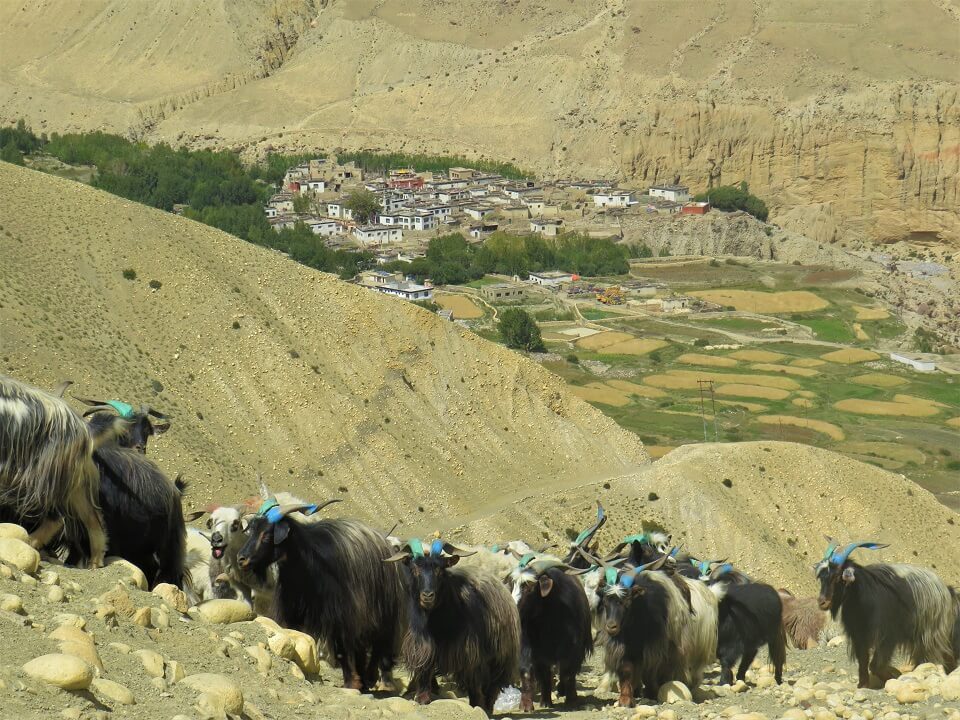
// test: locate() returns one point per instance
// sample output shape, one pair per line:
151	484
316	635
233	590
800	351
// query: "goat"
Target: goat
750	615
649	632
47	473
554	629
583	540
332	584
887	607
803	620
461	623
139	428
143	514
197	566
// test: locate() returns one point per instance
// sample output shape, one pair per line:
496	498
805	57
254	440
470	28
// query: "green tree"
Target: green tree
364	204
518	330
730	197
10	154
302	203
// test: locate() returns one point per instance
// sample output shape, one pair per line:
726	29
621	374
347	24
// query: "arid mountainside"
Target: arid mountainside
266	365
843	116
331	390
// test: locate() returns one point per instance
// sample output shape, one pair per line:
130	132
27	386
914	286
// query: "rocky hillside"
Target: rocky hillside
268	366
843	116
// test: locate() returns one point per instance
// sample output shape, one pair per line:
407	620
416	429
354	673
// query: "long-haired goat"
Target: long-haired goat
141	424
887	608
332	584
47	473
461	622
751	615
651	633
143	514
805	623
554	628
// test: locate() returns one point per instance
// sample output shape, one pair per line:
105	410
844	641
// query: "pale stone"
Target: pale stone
172	596
296	672
740	687
174	672
267	623
765	681
71	713
135	575
152	662
824	715
217	686
732	710
56	594
11	603
950	687
70	619
49	577
222	611
262	658
120	647
159	618
29	579
159	683
19	554
667	715
298	647
5	572
63	671
111	690
13	532
794	714
400	706
837	641
674	692
644	711
141	617
802	694
909	693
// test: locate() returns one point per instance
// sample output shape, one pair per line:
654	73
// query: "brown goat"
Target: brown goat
803	620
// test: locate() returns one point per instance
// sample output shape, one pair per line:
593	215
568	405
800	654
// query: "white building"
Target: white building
315	186
551	279
614	199
339	210
477	212
281	202
377	234
548	227
394	284
326	228
921	362
419	220
673	193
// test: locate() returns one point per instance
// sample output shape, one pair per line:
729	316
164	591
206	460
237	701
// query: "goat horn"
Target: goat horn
655	565
402	555
147	410
591	559
285	510
60	389
99	408
88	401
320	506
262	487
451	549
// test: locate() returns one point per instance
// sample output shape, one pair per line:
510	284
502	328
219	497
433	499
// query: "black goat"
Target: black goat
461	622
143	515
554	629
140	427
332	584
886	608
751	615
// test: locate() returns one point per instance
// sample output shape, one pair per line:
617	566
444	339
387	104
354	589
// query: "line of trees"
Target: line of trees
450	259
732	197
382	162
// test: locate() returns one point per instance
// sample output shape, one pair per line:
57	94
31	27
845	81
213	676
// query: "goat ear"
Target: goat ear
546	585
195	515
848	575
452	560
161	427
637	590
280	531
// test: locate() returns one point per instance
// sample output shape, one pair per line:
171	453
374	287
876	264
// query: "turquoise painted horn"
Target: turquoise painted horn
841	557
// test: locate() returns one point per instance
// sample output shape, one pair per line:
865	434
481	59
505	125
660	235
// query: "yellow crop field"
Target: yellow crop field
849	356
808	362
600	393
882	407
819	425
602	340
954	422
463	307
788	369
635	389
878	380
871	313
757	355
802	402
765	302
708	360
752	391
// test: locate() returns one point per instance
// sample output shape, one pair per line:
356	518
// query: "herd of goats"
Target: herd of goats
482	617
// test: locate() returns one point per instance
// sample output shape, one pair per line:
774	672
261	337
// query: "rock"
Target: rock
267	623
765	681
824	715
11	603
13	532
119	599
63	671
28	579
49	577
110	690
74	641
911	692
732	710
172	596
296	672
674	692
749	716
174	672
6	572
71	619
159	618
837	641
262	657
159	683
224	612
152	662
135	575
217	687
298	647
56	594
19	554
643	711
400	706
667	715
950	687
121	648
141	617
794	714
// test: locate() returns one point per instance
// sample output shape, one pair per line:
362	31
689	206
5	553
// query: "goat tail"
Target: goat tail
778	649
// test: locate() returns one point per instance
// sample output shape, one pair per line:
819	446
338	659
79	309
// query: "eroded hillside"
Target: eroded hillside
843	116
266	365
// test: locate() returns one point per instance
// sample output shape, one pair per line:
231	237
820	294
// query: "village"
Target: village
414	207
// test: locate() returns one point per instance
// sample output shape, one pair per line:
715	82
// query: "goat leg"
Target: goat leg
545	681
42	536
526	690
625	674
748	655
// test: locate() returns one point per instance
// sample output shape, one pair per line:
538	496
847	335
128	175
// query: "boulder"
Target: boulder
134	574
112	691
19	554
14	532
674	692
218	687
172	596
63	671
152	662
950	687
11	603
225	611
297	647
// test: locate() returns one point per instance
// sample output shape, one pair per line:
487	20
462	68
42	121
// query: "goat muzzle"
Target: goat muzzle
242	560
612	628
824	603
428	600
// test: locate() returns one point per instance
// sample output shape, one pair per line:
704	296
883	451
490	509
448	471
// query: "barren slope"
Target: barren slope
326	387
843	116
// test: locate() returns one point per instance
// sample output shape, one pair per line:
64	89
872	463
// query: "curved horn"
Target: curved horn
402	555
88	401
655	565
99	408
60	389
262	487
147	410
320	506
451	549
593	560
841	557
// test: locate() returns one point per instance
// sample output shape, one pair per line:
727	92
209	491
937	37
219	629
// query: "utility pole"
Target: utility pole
706	386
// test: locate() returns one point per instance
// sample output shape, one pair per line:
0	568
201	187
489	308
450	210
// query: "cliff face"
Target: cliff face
842	116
